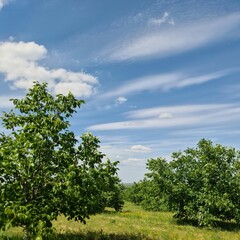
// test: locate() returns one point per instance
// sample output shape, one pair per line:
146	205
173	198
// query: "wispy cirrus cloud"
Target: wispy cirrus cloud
180	38
164	82
205	132
164	19
178	110
134	161
181	116
232	91
20	65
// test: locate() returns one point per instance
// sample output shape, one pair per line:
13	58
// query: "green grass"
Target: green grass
134	224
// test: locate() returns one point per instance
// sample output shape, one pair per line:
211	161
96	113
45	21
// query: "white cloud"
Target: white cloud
3	3
163	42
139	149
118	101
183	116
77	88
20	65
135	159
178	110
121	100
105	146
165	115
134	162
164	82
164	19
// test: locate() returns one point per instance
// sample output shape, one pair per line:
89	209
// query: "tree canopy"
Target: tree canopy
201	183
44	170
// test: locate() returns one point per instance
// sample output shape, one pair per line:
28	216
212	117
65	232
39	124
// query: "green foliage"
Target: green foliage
152	193
133	193
200	183
42	171
114	195
206	183
146	193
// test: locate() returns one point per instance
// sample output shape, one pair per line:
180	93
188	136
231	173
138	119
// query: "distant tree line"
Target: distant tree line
201	183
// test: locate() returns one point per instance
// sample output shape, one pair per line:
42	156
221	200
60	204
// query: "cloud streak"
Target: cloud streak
181	116
139	149
232	91
20	65
164	19
181	38
163	82
134	162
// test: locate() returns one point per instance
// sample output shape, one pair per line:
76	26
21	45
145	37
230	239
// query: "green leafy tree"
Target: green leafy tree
160	179
136	192
206	183
44	170
114	195
147	192
201	183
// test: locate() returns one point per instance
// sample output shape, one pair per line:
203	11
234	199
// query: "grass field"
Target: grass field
133	224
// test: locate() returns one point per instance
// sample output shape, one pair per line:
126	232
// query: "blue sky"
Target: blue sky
157	76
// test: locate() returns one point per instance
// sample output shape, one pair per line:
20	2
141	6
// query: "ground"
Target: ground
133	223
